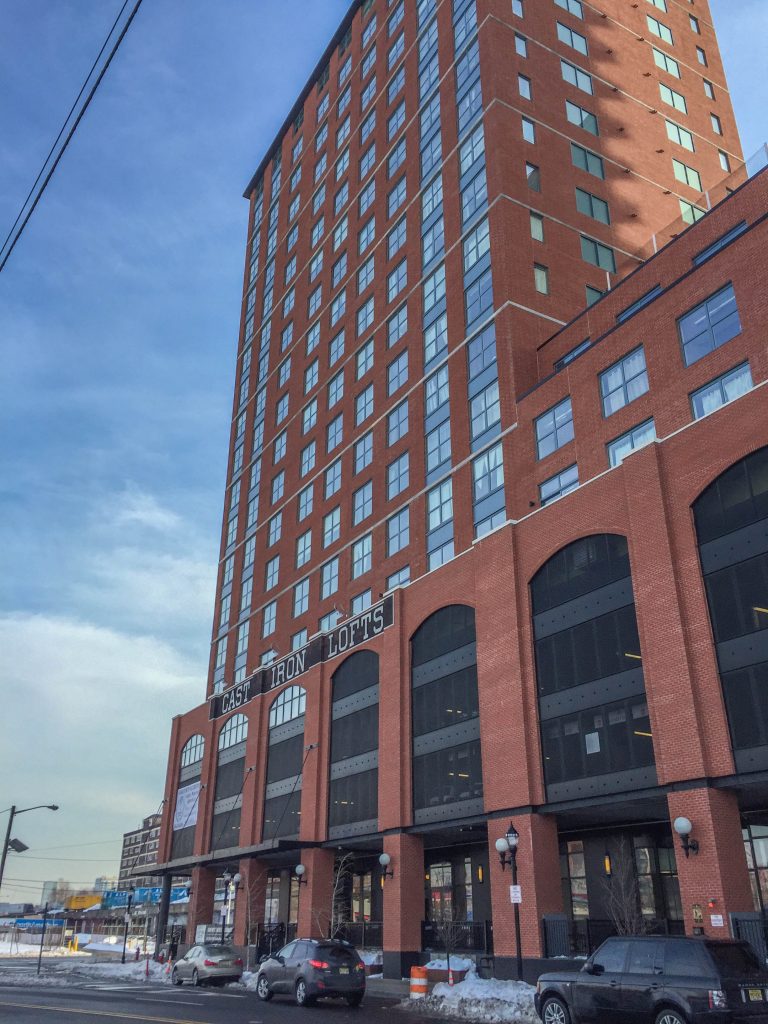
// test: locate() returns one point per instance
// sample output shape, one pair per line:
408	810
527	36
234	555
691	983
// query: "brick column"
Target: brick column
200	900
718	873
403	903
315	897
538	875
251	894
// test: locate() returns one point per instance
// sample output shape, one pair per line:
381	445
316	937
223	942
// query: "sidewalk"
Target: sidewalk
387	988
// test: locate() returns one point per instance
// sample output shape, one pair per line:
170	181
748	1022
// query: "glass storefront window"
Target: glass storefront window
272	901
361	897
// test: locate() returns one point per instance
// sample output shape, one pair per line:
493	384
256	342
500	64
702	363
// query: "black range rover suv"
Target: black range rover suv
659	980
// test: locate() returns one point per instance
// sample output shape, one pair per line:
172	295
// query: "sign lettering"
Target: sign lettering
340	640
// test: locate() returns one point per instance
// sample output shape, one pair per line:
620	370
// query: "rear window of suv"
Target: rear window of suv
337	953
684	958
733	959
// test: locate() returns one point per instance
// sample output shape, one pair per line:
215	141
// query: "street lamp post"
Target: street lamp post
127	921
506	847
14	814
231	883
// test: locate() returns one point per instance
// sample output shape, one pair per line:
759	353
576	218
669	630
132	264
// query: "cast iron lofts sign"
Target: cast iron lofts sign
343	638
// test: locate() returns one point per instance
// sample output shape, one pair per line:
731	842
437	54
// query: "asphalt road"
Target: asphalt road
152	1003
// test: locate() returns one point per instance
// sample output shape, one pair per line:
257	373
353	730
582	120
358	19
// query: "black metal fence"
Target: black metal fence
268	938
565	936
471	937
363	934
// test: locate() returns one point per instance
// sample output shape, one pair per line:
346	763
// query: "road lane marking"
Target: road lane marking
101	1013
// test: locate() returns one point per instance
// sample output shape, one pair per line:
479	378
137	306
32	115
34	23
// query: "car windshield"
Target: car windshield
734	959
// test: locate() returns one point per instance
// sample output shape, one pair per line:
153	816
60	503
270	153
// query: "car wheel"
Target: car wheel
263	990
175	977
354	998
554	1011
670	1017
302	999
196	978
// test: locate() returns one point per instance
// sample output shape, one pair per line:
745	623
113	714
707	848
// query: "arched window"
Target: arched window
187	797
447	769
230	777
596	734
288	705
731	518
193	751
235	730
353	793
285	759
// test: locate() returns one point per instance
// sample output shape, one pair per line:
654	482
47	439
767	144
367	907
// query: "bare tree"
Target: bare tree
331	917
448	930
622	892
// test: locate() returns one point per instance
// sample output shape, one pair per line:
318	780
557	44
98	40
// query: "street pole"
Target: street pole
11	816
513	855
127	922
42	939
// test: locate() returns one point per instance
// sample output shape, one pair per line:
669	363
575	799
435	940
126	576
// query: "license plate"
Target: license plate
755	995
343	970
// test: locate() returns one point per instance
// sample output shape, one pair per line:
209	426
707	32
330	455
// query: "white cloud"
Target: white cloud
91	709
134	507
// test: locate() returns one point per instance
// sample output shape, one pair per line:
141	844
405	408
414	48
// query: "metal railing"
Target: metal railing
564	936
363	934
472	937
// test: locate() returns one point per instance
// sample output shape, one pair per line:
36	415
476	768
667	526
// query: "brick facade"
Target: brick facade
647	499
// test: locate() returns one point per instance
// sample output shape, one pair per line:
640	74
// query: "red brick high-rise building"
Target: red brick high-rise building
490	255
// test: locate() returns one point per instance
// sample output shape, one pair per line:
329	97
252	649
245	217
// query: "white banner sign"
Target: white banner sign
187	800
515	894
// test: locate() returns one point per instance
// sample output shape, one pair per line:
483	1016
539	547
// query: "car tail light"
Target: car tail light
209	963
321	965
717	1000
238	962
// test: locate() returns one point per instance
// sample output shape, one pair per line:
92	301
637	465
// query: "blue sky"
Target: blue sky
119	313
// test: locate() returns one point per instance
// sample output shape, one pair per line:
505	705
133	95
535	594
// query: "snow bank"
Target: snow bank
458	963
81	969
489	1001
371	957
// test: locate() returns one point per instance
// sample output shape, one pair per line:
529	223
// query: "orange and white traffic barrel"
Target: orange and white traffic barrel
419	985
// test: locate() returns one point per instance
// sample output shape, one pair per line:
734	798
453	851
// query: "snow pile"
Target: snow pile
489	1001
81	969
19	949
458	963
371	957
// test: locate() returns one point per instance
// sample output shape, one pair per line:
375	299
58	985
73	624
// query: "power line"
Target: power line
67	140
64	125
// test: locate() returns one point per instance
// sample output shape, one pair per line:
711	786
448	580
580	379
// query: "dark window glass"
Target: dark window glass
736	499
229	779
645	957
734	959
357	673
738	598
225	830
282	815
613	738
611	955
601	647
709	325
447	776
446	701
353	798
744	690
355	734
284	758
447	630
682	958
578	569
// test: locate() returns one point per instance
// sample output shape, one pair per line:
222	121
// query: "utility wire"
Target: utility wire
72	131
64	125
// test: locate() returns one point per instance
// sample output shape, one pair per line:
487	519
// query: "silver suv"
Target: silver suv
212	962
310	969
